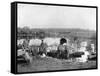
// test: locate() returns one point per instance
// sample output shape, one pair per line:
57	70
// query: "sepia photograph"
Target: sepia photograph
53	37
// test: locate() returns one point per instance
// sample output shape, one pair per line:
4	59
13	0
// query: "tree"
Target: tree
93	37
41	34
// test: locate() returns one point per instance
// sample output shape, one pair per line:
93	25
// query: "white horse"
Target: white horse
51	41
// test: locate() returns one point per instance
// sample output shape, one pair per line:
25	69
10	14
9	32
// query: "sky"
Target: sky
46	16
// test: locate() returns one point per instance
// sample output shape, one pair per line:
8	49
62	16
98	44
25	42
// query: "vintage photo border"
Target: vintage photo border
14	18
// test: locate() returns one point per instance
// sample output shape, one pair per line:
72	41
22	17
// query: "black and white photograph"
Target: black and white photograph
53	37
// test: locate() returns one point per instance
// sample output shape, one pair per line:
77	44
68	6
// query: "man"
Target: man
42	49
62	49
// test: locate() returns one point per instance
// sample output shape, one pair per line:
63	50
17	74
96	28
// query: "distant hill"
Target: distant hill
63	32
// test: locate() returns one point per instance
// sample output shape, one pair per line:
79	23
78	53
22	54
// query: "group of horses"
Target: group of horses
54	47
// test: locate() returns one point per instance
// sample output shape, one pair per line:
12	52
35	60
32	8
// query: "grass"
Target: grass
48	63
